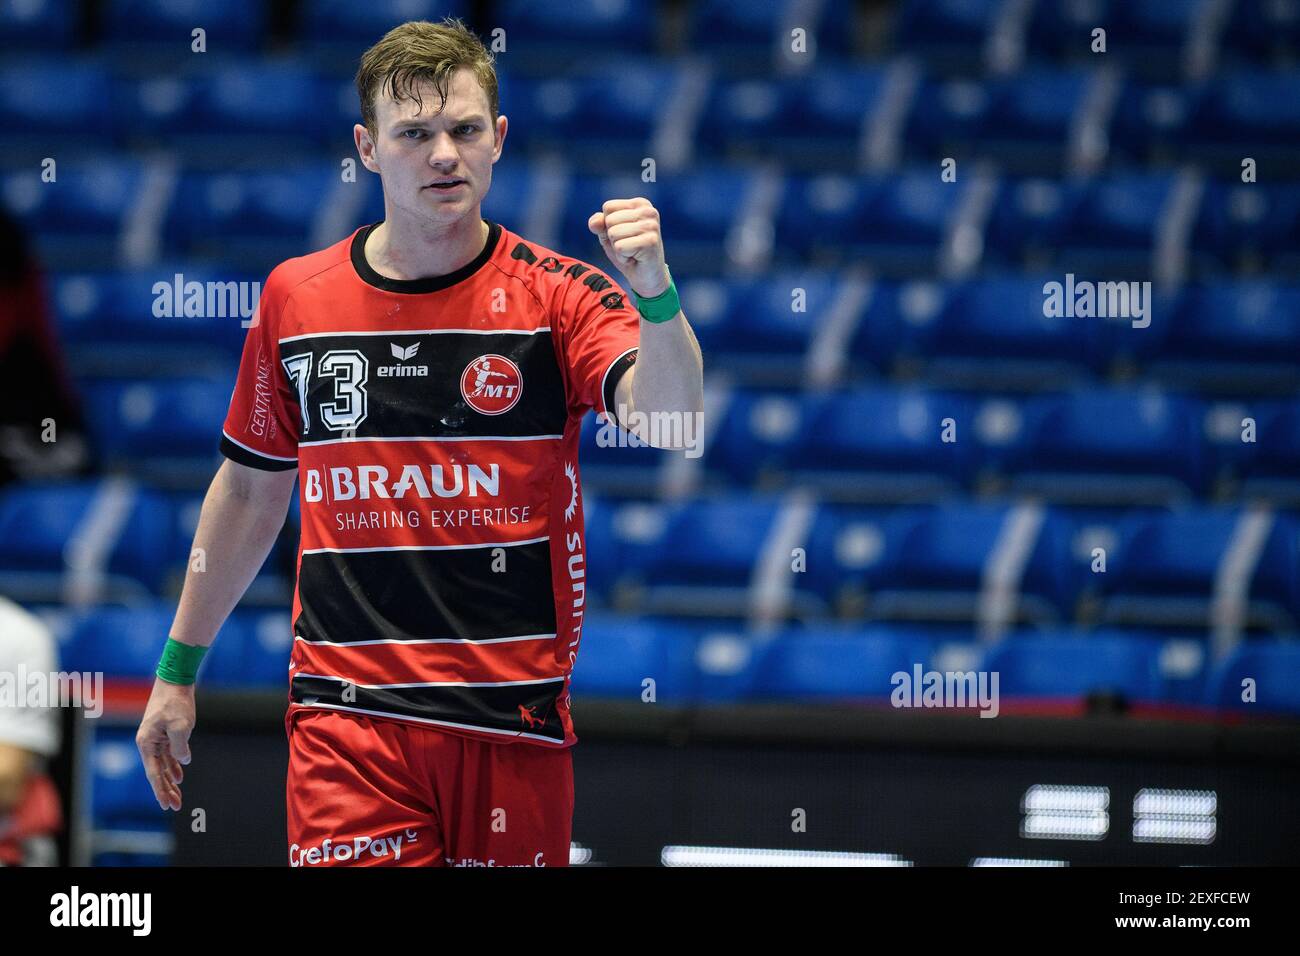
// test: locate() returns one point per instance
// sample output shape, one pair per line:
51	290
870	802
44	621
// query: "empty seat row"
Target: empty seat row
679	662
888	442
791	556
909	222
682	661
612	109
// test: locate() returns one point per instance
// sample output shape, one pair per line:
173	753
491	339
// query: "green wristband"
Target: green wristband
180	662
662	307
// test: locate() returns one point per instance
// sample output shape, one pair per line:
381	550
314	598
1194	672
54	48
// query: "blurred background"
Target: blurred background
862	203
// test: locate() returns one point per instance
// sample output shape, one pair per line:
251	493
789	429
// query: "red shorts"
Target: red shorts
365	791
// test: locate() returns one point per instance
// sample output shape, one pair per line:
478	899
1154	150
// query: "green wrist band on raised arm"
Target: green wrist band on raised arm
180	662
662	307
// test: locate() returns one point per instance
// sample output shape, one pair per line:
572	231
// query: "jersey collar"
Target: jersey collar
425	285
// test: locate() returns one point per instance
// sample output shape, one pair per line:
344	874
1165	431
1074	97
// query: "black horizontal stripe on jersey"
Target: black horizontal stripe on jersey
430	403
493	708
353	596
243	456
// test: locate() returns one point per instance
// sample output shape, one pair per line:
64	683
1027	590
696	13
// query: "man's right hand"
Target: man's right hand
164	739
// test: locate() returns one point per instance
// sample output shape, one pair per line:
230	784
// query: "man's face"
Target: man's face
419	147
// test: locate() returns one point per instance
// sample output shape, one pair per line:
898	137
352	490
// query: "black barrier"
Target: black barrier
716	784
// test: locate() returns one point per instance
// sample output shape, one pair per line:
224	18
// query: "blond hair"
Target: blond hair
420	51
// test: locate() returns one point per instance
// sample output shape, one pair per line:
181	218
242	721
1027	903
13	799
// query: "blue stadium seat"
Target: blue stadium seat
1243	335
55	534
351	27
120	642
91	200
727	662
600	545
750	326
1272	468
1066	665
1166	567
996	331
900	325
251	650
268	209
894	222
1114	222
127	322
586	27
513	186
850	551
1023	119
121	794
1273	666
748	35
1029	219
1142	36
1148	122
615	460
806	121
719	546
1247	106
946	29
714	543
50	24
841	661
941	556
1261	31
1249	227
875	439
602	111
166	25
41	97
1108	445
233	106
618	654
699	210
820	440
142	419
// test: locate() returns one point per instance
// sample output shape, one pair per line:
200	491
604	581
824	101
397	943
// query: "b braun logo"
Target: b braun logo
491	384
403	371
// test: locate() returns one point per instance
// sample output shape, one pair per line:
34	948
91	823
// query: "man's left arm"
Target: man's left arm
668	377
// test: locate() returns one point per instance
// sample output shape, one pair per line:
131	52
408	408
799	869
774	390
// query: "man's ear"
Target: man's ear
501	127
365	147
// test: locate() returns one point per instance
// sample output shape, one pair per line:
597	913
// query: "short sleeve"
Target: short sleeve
27	645
262	426
599	330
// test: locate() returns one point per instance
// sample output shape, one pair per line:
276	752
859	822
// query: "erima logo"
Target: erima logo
403	371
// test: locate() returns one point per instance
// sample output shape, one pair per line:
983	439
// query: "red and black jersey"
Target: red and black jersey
434	425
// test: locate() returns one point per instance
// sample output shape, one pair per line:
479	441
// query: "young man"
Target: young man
425	380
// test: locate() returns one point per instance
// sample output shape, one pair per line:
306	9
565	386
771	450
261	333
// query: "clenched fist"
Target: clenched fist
628	230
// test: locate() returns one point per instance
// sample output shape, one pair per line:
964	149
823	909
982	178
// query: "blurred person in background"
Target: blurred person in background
42	433
30	813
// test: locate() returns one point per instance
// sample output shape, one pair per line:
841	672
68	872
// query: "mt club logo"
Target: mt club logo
491	384
403	371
